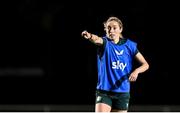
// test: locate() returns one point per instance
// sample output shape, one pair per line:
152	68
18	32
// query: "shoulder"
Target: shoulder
105	40
131	41
131	44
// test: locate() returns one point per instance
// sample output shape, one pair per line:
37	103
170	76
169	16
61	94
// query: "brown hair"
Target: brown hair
113	19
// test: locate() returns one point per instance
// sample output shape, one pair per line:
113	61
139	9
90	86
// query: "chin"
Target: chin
112	37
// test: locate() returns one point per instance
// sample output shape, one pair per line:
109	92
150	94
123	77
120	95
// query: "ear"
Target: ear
121	29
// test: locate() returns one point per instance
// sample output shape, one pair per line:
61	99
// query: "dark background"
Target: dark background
44	59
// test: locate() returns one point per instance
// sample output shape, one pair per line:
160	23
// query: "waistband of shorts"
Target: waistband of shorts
110	92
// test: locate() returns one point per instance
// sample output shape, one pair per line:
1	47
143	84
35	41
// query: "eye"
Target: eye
114	28
109	28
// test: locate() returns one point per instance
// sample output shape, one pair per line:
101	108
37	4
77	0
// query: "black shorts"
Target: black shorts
119	101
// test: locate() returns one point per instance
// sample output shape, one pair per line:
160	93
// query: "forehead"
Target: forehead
112	23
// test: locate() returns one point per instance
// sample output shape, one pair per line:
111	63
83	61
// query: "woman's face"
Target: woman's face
113	30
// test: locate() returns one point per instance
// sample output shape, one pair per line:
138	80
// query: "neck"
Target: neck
116	40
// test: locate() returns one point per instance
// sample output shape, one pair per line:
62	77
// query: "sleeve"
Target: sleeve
134	49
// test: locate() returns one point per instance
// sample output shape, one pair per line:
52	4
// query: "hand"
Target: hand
86	35
133	76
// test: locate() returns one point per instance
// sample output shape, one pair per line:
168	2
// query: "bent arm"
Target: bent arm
142	68
144	65
92	37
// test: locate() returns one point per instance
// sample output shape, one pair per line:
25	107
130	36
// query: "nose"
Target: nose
111	30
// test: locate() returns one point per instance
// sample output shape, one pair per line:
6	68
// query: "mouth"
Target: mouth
112	35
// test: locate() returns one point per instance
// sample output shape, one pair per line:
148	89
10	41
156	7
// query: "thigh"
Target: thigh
102	107
121	102
103	102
